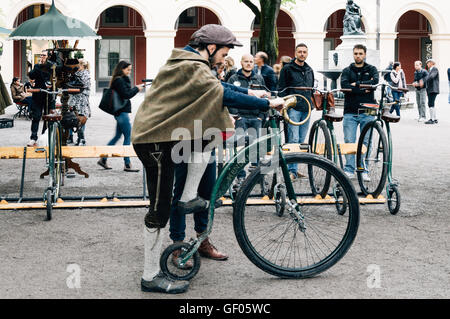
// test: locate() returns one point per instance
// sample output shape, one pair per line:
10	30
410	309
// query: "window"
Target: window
188	18
115	16
110	52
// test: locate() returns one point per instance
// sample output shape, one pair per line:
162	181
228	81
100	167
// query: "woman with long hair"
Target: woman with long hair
121	84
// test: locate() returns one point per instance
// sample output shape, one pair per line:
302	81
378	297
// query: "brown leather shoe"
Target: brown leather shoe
208	250
188	265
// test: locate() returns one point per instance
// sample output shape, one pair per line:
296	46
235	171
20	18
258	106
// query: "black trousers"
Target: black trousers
432	99
159	166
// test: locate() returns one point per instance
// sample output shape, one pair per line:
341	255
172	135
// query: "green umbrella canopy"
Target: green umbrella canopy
53	26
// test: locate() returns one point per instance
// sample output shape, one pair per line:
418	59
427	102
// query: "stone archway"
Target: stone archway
122	31
26	53
189	21
286	41
413	41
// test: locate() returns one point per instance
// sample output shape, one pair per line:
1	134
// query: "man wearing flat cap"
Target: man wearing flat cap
432	84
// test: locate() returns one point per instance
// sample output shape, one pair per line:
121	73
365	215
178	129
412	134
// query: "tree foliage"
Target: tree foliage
267	12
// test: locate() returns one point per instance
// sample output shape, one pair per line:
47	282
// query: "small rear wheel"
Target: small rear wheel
341	200
280	199
176	272
320	144
393	199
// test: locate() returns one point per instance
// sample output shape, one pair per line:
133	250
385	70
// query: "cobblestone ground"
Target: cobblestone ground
410	249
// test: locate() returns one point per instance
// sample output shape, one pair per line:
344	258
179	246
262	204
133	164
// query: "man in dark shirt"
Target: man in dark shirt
41	101
297	74
420	76
353	76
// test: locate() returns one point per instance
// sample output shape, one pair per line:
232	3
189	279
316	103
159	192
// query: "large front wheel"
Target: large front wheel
372	159
308	238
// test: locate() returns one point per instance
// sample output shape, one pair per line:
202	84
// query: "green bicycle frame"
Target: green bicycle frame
238	163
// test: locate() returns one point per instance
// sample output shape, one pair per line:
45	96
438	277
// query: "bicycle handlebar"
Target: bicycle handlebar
54	92
374	87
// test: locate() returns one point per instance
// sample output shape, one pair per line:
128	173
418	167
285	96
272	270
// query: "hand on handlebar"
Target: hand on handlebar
277	104
259	93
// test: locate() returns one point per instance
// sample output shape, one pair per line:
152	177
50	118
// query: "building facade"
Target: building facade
145	31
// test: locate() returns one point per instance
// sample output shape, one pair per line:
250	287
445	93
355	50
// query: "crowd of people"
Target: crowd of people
211	88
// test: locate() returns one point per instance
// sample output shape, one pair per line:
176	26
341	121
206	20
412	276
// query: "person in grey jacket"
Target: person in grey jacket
248	122
432	83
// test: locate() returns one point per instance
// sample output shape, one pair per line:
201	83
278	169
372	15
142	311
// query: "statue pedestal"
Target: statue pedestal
344	53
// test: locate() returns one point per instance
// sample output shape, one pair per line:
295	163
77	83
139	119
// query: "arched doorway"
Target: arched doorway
26	53
189	21
286	40
334	27
122	31
413	41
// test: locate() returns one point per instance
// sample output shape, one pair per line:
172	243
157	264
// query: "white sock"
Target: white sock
152	244
196	169
433	113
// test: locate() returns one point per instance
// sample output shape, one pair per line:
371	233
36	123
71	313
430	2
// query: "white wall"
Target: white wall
309	17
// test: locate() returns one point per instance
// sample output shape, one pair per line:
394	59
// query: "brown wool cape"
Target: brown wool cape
183	91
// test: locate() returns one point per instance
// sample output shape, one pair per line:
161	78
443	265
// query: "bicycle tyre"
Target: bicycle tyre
394	199
165	261
58	167
49	205
244	230
317	127
377	179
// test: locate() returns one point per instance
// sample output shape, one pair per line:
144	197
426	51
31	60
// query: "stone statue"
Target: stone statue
352	19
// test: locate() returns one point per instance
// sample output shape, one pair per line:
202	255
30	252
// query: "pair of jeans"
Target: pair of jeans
397	95
29	101
297	134
421	99
178	221
351	122
36	114
123	127
251	127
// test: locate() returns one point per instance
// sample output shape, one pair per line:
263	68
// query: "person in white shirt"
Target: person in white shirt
398	80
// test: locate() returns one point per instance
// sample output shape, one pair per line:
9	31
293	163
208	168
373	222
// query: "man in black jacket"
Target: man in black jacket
432	84
41	74
295	74
352	77
248	122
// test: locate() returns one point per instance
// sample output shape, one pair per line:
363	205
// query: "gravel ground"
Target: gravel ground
410	251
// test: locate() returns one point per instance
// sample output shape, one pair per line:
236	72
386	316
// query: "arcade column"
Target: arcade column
245	38
7	61
387	48
441	49
160	44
